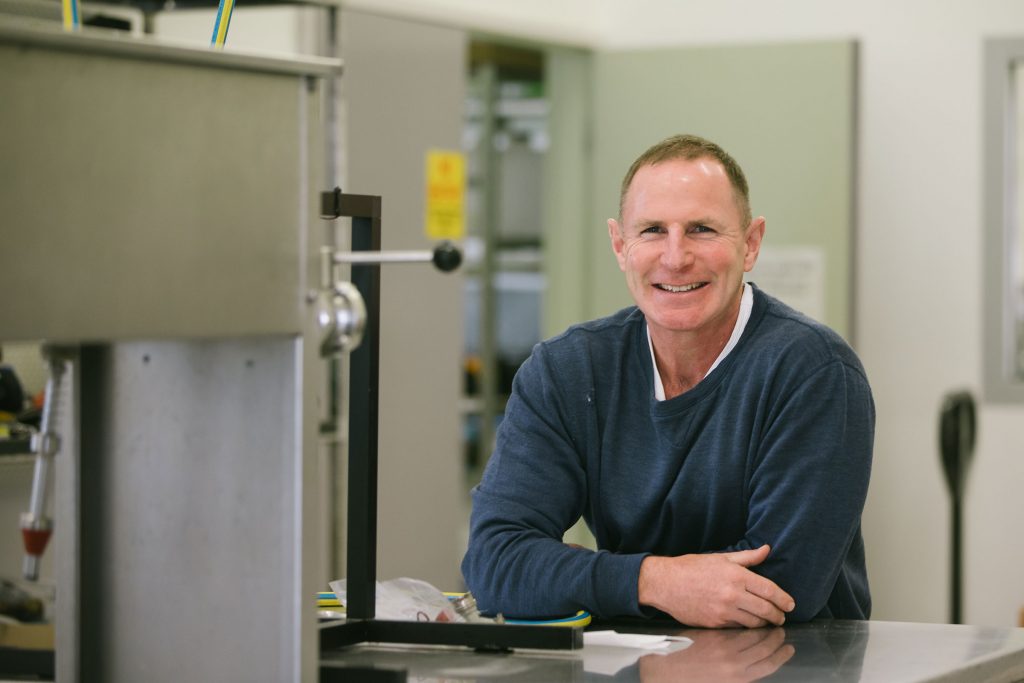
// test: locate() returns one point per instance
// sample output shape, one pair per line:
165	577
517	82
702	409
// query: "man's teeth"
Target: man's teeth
683	288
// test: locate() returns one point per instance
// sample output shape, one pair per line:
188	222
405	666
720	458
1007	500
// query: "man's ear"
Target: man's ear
618	243
755	233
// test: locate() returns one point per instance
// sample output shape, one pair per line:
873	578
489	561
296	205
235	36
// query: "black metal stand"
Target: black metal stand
489	637
360	625
364	374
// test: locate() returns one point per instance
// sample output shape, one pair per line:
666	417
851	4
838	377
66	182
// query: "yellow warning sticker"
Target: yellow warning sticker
446	193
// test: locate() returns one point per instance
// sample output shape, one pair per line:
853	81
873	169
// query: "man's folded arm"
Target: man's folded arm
514	568
533	490
808	490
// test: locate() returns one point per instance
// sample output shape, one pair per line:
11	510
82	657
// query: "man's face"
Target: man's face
684	247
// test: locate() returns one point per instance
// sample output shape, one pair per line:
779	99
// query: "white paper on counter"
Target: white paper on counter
608	652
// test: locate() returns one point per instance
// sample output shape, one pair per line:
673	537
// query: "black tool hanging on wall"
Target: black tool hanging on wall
957	426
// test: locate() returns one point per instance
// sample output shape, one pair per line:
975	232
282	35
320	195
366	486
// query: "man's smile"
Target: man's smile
679	288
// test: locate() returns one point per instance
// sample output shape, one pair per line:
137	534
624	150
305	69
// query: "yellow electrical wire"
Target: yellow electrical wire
220	26
71	21
581	618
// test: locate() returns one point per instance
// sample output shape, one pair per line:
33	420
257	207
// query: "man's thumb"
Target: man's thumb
749	558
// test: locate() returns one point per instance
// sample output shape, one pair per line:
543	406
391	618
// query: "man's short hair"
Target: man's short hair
692	147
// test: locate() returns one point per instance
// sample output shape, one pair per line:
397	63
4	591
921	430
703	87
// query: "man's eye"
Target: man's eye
701	229
651	230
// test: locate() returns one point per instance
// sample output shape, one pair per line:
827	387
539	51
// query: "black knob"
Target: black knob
957	424
447	257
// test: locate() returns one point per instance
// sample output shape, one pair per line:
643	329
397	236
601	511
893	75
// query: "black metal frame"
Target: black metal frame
360	625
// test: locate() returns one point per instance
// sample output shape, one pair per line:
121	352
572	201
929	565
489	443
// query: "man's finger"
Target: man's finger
749	558
767	589
762	609
747	619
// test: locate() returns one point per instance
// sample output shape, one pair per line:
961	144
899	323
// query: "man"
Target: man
717	442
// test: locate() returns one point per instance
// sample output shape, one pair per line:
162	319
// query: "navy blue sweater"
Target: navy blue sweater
774	446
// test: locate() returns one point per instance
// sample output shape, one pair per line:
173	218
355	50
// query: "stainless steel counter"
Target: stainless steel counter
829	650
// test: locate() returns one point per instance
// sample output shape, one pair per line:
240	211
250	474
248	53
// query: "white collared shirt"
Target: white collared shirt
746	304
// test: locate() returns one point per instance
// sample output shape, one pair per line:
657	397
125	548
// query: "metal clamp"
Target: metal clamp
340	309
341	316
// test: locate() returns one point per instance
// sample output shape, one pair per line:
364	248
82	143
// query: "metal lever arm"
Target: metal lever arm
445	256
340	310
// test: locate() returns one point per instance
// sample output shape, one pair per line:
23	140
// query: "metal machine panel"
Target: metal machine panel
148	191
188	515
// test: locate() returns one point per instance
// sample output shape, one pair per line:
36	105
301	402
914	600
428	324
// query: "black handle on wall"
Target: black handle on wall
957	428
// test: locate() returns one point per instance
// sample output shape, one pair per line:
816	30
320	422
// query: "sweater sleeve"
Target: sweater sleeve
533	489
808	485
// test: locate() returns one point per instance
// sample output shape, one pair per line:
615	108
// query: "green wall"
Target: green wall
786	112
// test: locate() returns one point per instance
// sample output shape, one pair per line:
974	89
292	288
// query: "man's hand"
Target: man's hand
714	591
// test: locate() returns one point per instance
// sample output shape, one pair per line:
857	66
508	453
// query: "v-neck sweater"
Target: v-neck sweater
773	446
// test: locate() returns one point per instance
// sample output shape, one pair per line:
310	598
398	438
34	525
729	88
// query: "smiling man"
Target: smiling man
716	442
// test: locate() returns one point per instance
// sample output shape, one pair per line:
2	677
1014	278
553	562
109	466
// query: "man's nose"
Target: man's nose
677	253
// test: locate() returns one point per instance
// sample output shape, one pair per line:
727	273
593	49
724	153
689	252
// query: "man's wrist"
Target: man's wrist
647	580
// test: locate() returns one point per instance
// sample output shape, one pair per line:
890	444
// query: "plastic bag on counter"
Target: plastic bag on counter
406	599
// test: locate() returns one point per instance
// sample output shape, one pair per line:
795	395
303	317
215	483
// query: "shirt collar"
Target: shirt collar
746	305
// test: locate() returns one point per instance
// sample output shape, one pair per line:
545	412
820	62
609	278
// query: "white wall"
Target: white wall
571	22
918	274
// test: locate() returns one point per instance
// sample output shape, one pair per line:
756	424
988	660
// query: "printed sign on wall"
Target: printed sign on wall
794	274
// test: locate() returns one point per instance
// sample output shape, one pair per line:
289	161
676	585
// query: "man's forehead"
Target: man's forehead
676	177
682	169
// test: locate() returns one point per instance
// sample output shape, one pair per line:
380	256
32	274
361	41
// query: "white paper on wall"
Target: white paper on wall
795	275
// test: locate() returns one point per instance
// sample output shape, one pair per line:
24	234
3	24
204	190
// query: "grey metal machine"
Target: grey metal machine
160	227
